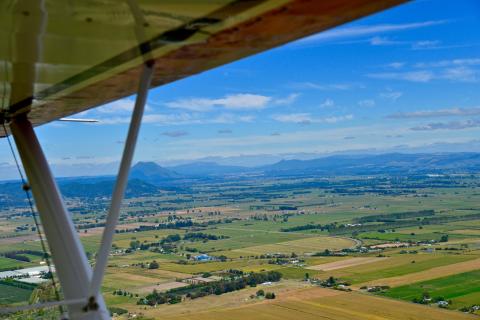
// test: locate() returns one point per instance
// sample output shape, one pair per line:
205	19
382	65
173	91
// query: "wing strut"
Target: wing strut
72	267
121	184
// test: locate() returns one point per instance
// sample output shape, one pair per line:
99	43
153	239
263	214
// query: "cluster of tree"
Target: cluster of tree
285	208
392	217
178	224
124	293
427	299
90	225
342	229
23	228
325	253
471	309
236	281
200	236
279	261
117	311
171	238
332	282
18	284
375	288
20	254
167	244
261	294
16	256
311	226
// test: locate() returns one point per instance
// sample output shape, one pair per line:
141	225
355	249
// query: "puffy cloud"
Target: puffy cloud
303	118
452	125
414	76
122	106
175	134
327	103
361	31
291	98
325	87
457	70
307	118
366	103
241	101
391	95
437	113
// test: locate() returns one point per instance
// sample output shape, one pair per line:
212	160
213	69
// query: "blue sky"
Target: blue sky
405	80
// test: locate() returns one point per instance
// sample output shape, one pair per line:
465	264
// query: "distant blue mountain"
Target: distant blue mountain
202	169
152	172
148	177
392	163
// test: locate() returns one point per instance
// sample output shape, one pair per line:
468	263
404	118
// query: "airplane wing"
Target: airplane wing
58	58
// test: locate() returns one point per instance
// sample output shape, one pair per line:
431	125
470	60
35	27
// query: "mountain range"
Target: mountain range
149	177
389	163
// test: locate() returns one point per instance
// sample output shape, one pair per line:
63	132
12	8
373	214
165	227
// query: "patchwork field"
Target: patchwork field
302	246
344	263
431	273
310	303
311	230
463	288
12	295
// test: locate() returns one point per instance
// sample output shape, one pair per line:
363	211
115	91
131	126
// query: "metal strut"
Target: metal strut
121	183
68	255
78	283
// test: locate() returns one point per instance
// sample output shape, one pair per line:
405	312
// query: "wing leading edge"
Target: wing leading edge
60	58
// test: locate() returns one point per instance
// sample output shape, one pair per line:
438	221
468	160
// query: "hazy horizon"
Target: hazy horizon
403	80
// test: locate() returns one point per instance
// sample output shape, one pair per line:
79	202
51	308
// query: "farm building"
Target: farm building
203	257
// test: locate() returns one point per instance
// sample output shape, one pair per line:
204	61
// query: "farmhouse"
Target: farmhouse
203	257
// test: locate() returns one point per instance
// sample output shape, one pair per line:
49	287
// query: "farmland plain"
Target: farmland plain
308	229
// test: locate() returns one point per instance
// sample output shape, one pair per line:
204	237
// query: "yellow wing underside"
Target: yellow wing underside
58	57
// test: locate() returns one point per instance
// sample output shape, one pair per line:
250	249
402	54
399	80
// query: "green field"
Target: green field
463	289
244	229
11	295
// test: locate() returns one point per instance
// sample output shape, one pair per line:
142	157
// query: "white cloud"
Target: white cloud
338	119
391	95
291	98
425	44
225	118
452	112
414	76
456	74
366	103
241	101
175	134
303	118
359	31
383	41
452	125
460	74
180	119
307	118
122	106
449	63
327	103
396	65
325	87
